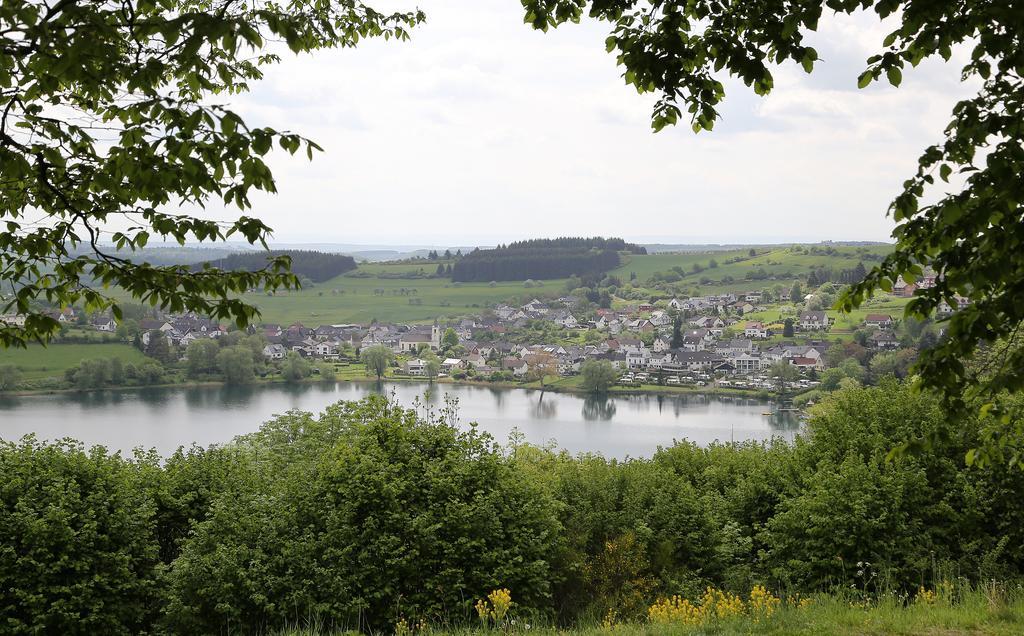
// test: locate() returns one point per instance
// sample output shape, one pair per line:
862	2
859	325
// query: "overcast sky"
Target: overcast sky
481	130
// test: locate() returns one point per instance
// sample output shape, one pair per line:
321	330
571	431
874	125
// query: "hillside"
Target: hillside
408	291
738	269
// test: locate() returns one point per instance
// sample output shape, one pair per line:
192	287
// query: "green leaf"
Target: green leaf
894	75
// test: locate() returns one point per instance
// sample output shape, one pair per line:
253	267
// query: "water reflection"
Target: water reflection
597	408
543	409
165	418
499	398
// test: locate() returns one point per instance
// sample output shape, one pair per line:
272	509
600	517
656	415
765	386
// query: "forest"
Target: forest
369	516
579	242
316	266
540	260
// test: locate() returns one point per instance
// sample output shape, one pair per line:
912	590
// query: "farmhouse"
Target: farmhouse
814	320
518	367
416	367
104	323
883	339
882	321
274	352
755	330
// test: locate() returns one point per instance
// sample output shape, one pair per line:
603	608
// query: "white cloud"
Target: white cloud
481	129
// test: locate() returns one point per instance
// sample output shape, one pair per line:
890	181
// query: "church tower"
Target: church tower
435	337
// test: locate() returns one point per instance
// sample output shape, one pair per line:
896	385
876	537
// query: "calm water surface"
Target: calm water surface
166	418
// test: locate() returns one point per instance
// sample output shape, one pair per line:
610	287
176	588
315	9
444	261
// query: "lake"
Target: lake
620	426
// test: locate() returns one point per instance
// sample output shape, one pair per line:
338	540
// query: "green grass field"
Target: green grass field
345	299
782	262
41	362
352	298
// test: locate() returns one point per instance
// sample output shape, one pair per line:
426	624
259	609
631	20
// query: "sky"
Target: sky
481	130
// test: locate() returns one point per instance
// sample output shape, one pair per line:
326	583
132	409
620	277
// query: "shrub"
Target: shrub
371	514
78	550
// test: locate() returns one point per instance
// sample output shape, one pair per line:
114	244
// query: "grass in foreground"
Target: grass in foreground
990	610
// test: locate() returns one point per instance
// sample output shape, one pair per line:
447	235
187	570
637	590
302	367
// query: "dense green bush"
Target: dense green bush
369	513
362	516
77	547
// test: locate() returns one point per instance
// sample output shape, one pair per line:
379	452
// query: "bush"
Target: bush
78	550
369	514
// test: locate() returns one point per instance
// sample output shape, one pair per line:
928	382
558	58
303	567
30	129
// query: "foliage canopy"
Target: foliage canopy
111	122
971	236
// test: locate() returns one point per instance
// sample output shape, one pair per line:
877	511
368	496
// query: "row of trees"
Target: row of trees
823	275
99	373
579	242
536	263
237	359
369	513
316	266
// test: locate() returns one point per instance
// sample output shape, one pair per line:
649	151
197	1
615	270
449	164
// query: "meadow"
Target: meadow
403	292
357	299
40	362
785	264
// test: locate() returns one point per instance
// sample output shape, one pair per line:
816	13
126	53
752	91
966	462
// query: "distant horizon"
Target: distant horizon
410	246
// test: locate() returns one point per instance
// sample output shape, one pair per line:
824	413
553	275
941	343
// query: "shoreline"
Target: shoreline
533	386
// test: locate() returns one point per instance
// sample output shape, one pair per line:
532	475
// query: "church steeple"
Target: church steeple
435	336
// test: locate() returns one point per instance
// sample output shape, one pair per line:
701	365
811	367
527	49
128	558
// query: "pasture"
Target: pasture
350	299
783	265
40	362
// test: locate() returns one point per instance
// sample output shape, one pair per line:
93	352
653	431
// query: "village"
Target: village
697	341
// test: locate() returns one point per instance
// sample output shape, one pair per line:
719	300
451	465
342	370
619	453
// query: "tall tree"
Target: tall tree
236	364
782	373
677	333
598	376
112	121
201	357
796	294
295	368
449	339
432	364
969	232
377	359
158	348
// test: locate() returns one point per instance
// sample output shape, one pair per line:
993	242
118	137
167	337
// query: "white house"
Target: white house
416	367
327	349
518	367
631	345
746	363
755	330
814	320
274	352
16	320
637	359
882	321
104	323
450	364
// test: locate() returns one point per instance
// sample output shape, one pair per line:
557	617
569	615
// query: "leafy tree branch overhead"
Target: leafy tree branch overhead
972	238
112	115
